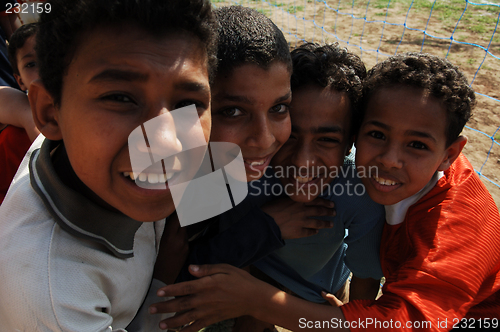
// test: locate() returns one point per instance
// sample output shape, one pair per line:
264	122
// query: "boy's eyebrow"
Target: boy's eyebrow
407	133
119	75
193	86
233	98
245	100
284	97
326	130
379	124
420	134
29	55
320	130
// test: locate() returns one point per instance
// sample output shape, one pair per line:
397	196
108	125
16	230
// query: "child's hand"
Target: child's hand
332	299
222	292
295	219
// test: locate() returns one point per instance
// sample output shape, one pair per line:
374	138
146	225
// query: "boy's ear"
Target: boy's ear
45	112
452	152
20	82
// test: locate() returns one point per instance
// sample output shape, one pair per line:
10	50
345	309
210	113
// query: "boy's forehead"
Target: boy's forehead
317	109
244	83
407	107
28	49
128	39
133	46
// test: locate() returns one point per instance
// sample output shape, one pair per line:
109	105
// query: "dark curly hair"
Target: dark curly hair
17	41
248	36
330	66
436	75
60	29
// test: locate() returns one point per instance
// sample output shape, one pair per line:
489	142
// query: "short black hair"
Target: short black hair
248	36
330	66
436	75
60	29
17	41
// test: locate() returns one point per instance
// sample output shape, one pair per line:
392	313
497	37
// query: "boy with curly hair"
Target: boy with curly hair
440	252
80	230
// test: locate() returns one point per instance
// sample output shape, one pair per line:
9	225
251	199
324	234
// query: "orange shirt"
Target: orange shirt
442	263
14	142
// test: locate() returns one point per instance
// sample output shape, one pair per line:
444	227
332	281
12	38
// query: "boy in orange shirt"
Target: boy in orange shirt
440	251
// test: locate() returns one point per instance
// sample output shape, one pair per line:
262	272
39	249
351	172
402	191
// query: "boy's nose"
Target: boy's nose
302	158
390	157
161	136
261	135
152	141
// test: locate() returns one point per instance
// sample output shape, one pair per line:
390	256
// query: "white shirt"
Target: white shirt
68	264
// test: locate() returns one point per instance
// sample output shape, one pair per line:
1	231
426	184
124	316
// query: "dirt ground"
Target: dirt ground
318	21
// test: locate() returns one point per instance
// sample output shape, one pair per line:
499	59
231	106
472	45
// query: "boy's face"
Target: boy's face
26	64
118	79
320	138
403	136
250	109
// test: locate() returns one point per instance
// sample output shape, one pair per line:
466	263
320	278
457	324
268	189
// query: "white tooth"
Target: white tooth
257	163
126	174
162	178
152	178
132	175
169	175
142	177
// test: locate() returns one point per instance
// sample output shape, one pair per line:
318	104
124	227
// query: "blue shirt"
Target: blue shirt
323	261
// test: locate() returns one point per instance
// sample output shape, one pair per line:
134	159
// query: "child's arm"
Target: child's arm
258	233
225	292
16	111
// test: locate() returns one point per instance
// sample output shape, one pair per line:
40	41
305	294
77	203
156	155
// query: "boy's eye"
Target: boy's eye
118	97
328	140
418	145
280	109
231	112
30	64
376	134
185	103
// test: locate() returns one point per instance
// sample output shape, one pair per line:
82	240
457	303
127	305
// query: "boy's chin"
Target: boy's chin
150	215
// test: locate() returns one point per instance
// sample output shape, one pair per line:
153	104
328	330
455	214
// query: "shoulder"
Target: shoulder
459	195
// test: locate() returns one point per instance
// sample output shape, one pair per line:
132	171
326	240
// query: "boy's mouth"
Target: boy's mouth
149	177
255	162
302	179
385	182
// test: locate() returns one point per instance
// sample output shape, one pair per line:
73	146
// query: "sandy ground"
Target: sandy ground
317	21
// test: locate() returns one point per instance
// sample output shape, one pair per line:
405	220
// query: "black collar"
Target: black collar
75	213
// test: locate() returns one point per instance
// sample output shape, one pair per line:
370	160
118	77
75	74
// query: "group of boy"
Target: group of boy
82	244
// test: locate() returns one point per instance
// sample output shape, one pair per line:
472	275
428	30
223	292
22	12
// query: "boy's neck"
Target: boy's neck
396	213
65	171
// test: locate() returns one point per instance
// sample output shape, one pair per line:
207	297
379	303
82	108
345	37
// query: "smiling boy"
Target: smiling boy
440	252
79	237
